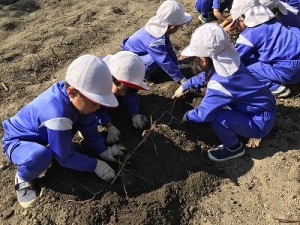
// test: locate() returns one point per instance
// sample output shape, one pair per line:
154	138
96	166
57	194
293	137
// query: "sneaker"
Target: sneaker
27	192
202	19
222	153
281	92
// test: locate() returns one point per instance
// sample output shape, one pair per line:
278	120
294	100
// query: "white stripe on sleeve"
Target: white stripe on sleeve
61	123
215	85
158	43
244	41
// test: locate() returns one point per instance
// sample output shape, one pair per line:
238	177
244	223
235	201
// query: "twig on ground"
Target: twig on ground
124	187
154	146
4	86
88	200
145	136
139	176
287	220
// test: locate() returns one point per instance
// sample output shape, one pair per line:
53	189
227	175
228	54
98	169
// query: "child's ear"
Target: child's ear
71	92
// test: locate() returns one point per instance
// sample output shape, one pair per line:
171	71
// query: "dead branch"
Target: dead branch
287	220
4	86
145	136
88	200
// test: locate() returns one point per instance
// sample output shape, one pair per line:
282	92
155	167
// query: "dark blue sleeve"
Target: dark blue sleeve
132	103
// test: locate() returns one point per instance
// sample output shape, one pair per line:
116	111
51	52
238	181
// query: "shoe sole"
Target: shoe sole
222	160
285	94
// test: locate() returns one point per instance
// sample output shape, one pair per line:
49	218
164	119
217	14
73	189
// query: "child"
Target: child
152	42
284	13
128	73
44	128
235	102
269	50
212	9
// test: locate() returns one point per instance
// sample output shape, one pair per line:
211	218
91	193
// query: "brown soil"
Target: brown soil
168	177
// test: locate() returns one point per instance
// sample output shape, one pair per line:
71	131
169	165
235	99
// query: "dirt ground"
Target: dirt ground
169	178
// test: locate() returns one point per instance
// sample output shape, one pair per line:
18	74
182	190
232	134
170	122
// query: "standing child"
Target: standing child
128	73
235	102
270	50
152	42
44	128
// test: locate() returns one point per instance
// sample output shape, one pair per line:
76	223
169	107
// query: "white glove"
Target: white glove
112	151
104	171
113	135
139	121
183	80
179	92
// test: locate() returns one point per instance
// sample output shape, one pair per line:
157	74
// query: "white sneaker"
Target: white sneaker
202	19
281	92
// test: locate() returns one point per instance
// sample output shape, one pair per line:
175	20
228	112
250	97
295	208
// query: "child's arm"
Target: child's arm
215	99
158	51
195	82
132	103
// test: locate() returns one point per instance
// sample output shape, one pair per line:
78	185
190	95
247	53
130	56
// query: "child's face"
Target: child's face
82	103
204	64
118	88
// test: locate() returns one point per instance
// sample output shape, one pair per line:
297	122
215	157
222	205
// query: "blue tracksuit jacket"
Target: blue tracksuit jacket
238	104
271	52
51	119
154	52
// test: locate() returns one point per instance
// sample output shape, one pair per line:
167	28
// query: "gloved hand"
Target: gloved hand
104	171
113	135
113	151
139	121
179	92
182	80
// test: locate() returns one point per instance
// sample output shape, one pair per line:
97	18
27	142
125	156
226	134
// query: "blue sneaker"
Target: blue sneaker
222	153
27	193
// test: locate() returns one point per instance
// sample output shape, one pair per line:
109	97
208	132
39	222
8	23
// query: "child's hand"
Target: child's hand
179	92
104	171
112	152
139	121
113	135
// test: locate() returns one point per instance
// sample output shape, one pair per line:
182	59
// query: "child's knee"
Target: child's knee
35	164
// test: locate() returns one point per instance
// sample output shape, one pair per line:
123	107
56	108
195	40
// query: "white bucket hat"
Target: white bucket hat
169	13
255	13
283	7
90	75
210	40
128	68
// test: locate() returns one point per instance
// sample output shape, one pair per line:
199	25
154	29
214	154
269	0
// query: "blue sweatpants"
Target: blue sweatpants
281	72
229	123
31	158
